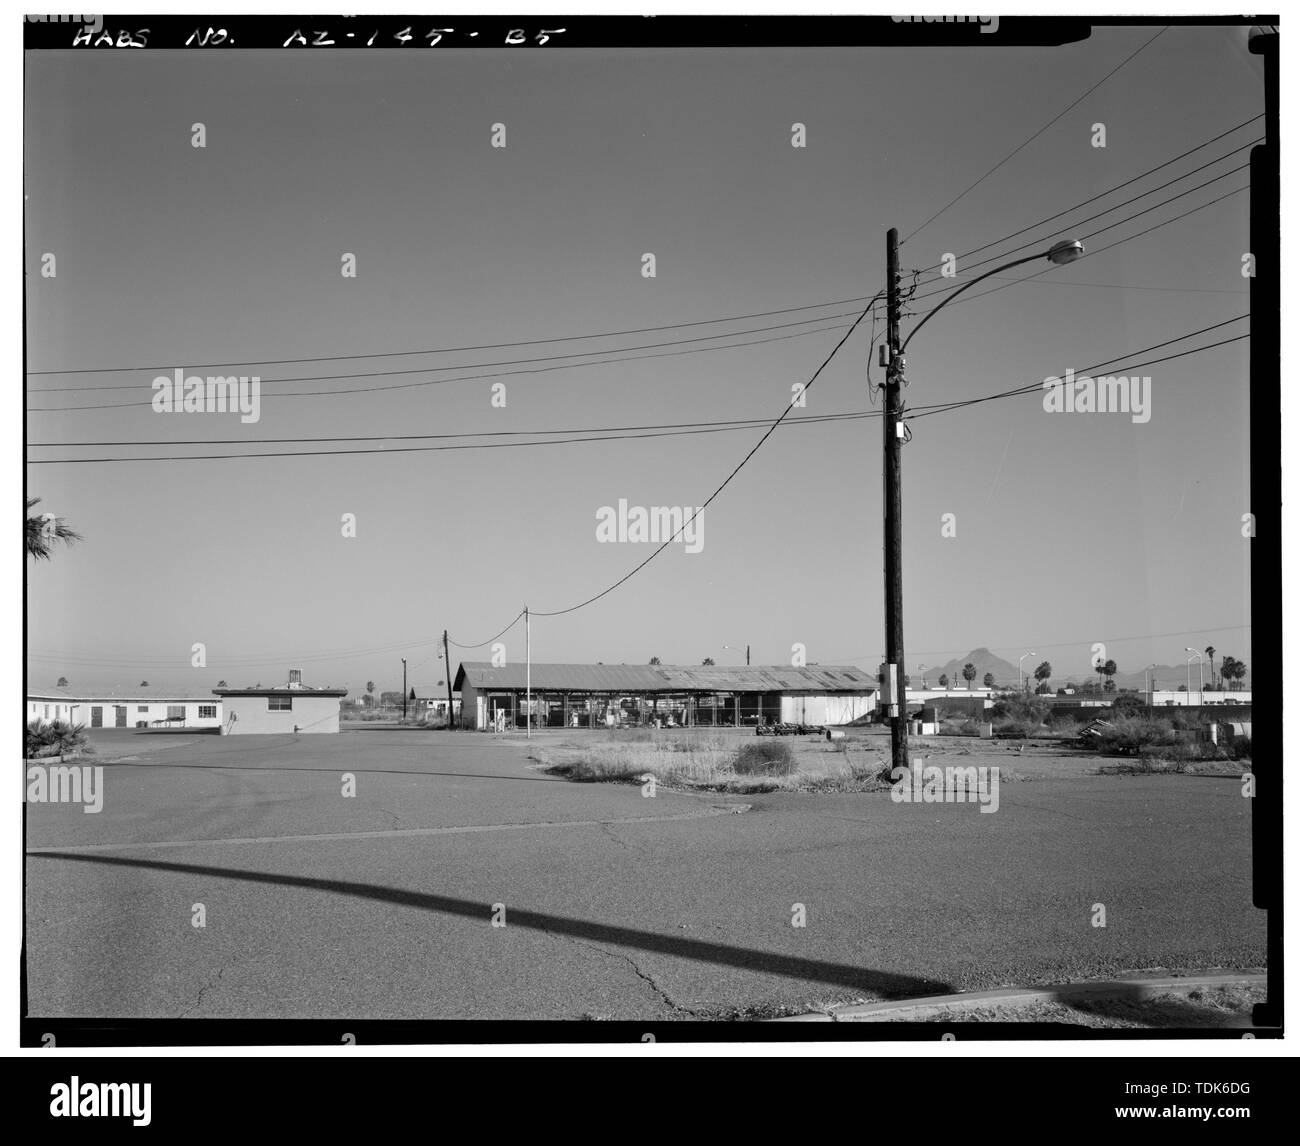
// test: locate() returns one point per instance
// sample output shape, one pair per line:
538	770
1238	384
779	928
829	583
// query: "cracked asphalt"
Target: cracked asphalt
614	905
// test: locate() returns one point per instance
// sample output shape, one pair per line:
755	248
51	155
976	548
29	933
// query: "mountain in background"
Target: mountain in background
1004	672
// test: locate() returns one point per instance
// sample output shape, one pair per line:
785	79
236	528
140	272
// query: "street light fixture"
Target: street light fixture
734	649
1200	673
1020	664
894	430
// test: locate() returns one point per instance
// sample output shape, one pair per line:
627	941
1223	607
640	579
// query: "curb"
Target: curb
1013	997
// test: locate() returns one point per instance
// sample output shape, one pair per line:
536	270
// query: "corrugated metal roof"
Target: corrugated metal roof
482	675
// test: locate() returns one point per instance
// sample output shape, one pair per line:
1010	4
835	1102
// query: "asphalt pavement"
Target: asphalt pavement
381	905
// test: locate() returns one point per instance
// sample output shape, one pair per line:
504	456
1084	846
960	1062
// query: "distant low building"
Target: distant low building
1181	697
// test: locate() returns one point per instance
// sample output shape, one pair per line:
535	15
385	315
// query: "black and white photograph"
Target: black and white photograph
650	528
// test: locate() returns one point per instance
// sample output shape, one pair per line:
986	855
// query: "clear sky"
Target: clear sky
1070	529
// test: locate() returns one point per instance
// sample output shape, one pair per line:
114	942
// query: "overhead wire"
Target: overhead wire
1056	118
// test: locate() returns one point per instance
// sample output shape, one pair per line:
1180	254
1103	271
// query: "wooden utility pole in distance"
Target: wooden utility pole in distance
893	484
446	655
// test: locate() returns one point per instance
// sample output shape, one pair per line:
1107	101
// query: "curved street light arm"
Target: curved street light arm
967	286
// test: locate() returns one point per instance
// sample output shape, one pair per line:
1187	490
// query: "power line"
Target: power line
1036	134
483	365
471	377
1110	226
593	434
1125	203
152	663
418	449
739	423
944	407
1107	247
727	481
498	636
1112	190
1122	286
1033	387
463	349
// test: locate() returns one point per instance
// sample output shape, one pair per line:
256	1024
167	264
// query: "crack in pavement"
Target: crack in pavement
202	991
642	975
608	831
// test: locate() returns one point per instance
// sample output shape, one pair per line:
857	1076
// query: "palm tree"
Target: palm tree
43	530
1108	670
63	682
707	661
144	684
370	690
1232	670
943	680
968	671
222	684
1043	673
655	661
1209	652
988	680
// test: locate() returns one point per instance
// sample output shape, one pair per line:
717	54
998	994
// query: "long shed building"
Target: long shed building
607	696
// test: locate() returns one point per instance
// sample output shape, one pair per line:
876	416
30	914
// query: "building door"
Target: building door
96	716
119	716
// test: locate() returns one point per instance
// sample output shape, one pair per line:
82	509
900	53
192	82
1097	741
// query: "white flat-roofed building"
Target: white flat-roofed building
133	710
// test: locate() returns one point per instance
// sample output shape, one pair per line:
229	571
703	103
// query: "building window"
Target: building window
175	712
47	712
142	708
207	710
279	704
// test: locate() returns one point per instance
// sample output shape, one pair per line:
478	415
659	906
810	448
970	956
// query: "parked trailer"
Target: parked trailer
783	728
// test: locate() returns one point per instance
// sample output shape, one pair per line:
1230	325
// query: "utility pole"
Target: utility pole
746	656
446	655
893	482
403	690
528	674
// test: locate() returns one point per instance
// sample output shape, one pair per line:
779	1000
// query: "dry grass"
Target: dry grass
709	759
1210	1008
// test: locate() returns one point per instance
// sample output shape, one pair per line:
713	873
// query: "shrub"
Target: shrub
1134	732
765	758
1026	711
1011	727
967	727
1129	702
57	738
